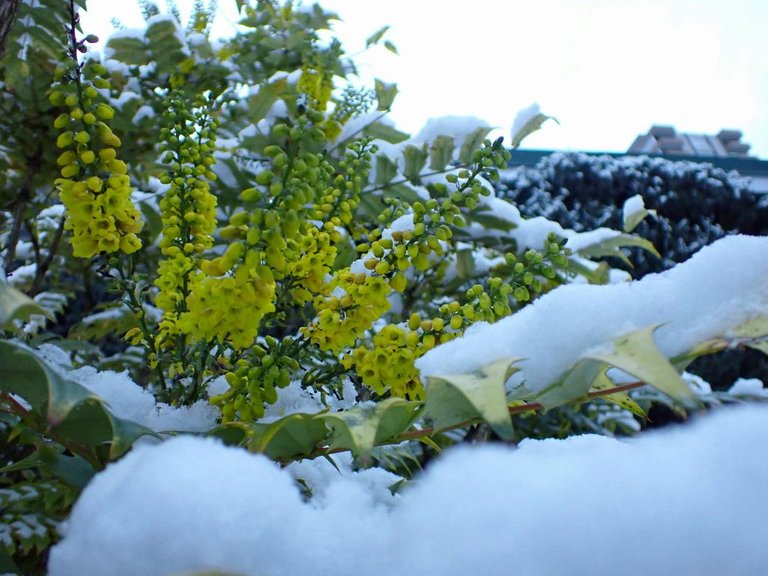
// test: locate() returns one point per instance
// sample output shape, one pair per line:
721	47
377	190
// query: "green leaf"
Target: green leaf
365	426
612	247
391	47
385	94
376	36
260	103
382	131
15	305
633	219
72	470
76	415
637	354
621	399
112	321
415	159
456	398
489	221
231	433
131	51
167	49
465	263
7	565
471	143
293	436
386	169
601	274
713	346
440	152
572	385
529	128
752	333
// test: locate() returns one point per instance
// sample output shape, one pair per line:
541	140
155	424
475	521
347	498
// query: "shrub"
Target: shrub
235	223
695	203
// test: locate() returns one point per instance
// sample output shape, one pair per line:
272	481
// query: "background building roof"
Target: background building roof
666	140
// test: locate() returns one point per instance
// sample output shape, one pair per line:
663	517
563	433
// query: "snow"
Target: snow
748	387
688	501
457	127
522	118
126	399
533	232
22	275
143	112
717	289
632	205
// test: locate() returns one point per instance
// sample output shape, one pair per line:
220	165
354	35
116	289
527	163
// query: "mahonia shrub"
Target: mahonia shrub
258	231
227	219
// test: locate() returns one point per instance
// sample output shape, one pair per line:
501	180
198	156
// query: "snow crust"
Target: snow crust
720	287
126	399
686	501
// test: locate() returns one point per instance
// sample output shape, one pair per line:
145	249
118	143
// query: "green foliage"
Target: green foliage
63	409
460	398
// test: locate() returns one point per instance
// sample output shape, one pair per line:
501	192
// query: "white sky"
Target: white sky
607	69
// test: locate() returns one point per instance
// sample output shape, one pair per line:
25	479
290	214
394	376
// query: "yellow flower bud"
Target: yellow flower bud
65	139
105	112
62	121
95	183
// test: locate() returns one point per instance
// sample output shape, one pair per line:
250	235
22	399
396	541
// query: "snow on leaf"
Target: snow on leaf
637	354
15	305
634	212
612	247
363	427
75	414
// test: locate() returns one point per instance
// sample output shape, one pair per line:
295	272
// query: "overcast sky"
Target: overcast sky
607	69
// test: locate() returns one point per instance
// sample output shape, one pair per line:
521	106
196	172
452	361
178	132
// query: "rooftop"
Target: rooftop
665	140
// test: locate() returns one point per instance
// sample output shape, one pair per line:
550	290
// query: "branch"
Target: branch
8	11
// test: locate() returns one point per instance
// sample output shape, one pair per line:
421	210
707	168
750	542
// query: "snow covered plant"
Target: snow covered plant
228	238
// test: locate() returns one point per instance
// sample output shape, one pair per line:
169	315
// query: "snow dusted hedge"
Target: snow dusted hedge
695	203
243	264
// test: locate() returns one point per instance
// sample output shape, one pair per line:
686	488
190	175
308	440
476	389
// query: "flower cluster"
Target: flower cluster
94	186
256	381
356	301
389	364
228	308
188	209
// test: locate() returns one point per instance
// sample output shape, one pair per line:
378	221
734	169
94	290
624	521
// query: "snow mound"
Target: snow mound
685	501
